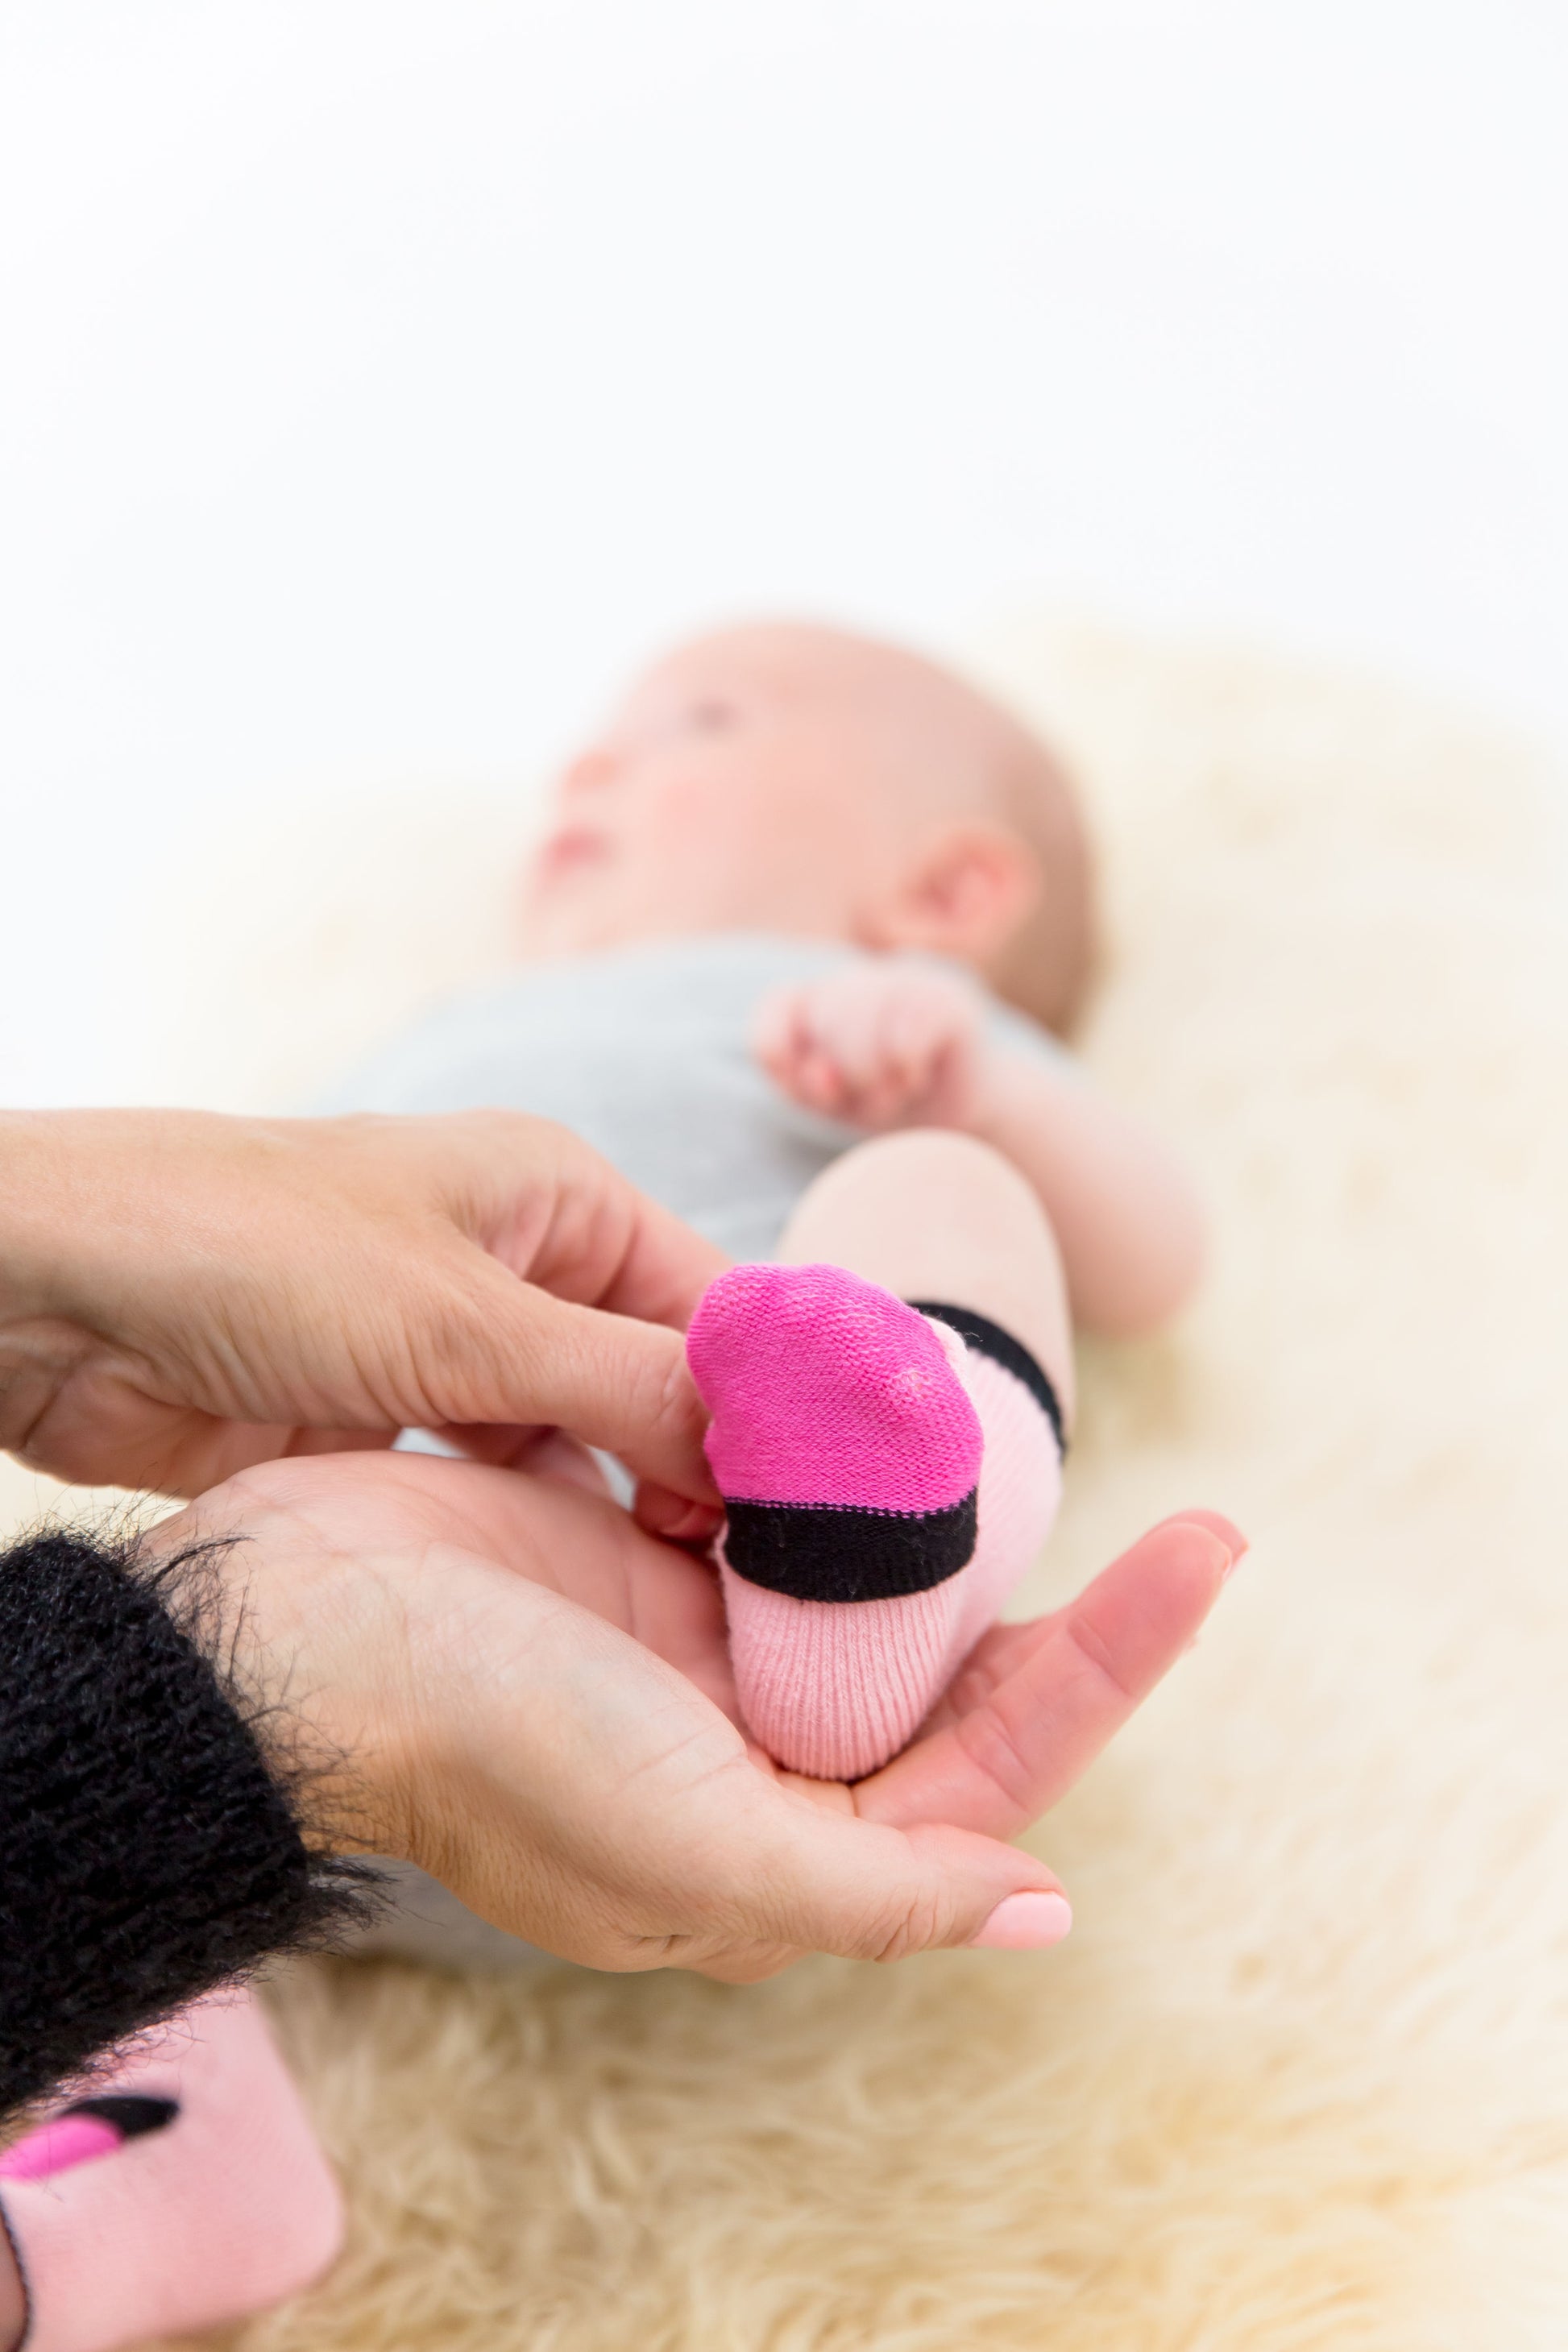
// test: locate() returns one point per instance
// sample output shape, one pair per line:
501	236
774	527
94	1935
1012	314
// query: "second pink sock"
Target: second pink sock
186	2193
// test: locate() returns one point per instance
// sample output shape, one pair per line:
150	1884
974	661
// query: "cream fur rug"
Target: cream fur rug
1300	2076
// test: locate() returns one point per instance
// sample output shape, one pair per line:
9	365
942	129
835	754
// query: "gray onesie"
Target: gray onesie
644	1052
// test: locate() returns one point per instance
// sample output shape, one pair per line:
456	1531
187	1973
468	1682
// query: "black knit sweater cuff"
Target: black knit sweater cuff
149	1850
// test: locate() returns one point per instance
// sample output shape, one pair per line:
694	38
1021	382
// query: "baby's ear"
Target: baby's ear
966	893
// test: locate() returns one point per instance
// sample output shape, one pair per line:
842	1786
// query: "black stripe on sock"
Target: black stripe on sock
988	1338
128	2113
824	1551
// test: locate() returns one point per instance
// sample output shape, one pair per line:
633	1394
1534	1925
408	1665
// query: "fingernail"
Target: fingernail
1025	1922
1236	1543
1225	1533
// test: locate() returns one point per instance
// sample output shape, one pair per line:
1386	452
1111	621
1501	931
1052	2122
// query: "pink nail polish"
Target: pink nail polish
1025	1922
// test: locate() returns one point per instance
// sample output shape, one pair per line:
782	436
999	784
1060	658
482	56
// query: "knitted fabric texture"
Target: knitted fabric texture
887	1477
149	1853
835	1395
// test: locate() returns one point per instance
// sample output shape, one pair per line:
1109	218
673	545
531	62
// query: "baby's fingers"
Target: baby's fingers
847	1023
778	1030
918	1030
790	1048
819	1083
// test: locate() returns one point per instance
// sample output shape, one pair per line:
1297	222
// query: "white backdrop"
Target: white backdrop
381	377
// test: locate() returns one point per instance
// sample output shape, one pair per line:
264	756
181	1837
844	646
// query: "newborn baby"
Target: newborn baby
798	946
803	890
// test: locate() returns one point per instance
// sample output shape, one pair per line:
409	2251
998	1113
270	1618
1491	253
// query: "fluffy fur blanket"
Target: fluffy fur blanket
1300	2076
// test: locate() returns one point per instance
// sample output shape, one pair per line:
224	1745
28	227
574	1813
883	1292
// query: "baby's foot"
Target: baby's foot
186	2192
867	1547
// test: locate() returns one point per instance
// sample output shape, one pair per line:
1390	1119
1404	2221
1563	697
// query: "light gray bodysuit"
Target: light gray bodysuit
645	1053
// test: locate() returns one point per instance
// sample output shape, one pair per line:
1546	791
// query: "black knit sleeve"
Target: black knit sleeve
150	1844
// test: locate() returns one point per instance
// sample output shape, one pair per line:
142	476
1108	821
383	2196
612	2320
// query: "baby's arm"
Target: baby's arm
881	1043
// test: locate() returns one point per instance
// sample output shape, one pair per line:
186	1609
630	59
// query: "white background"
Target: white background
379	378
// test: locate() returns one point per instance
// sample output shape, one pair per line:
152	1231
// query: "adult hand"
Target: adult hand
182	1294
534	1699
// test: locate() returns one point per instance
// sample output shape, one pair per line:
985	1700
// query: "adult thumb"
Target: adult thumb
525	1359
834	1882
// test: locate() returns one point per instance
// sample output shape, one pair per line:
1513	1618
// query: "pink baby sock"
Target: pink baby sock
187	2190
889	1471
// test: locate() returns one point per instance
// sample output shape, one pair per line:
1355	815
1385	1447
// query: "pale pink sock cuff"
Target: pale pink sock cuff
1020	1495
835	1688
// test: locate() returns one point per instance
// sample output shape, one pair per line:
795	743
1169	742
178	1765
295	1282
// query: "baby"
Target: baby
798	947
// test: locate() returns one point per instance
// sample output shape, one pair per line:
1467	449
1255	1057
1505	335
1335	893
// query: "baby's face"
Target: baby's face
765	778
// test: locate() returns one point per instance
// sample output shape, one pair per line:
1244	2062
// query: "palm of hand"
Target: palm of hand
571	1762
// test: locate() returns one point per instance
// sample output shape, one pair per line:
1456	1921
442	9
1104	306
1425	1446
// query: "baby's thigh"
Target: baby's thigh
933	1216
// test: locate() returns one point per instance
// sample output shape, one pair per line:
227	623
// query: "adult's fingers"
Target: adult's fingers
517	1356
546	1763
556	1212
588	1797
665	1271
656	1837
1061	1689
785	1876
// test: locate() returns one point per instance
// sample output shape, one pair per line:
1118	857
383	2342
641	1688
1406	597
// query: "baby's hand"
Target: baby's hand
879	1043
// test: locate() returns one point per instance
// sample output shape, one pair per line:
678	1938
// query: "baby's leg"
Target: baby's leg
183	2192
930	1214
892	1474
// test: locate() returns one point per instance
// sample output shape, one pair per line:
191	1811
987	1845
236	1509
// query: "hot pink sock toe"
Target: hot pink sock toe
829	1393
226	2209
870	1534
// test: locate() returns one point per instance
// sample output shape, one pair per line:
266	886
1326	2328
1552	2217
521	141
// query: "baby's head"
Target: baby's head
796	779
